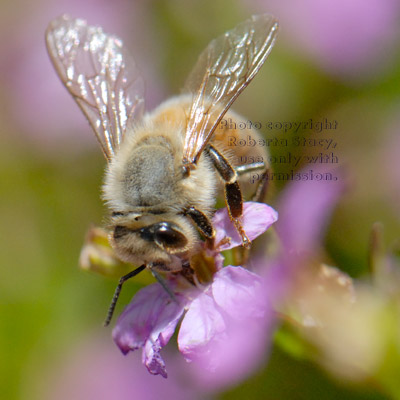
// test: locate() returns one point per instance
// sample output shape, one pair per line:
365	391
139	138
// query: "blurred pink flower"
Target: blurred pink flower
212	329
304	210
39	104
304	207
94	370
390	162
344	37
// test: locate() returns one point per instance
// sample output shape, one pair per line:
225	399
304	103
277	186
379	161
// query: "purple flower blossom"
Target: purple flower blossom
305	208
347	38
225	331
92	369
148	323
212	331
390	162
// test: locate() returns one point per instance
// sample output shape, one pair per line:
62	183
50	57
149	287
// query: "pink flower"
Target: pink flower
91	369
389	175
148	322
219	316
227	328
305	208
346	38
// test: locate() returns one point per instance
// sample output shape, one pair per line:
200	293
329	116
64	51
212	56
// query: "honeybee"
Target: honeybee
164	167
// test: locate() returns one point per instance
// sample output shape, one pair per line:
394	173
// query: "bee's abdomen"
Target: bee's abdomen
149	176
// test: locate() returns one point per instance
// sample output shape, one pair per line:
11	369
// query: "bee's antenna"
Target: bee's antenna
118	291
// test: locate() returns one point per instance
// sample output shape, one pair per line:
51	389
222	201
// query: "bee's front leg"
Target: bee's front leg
203	224
233	194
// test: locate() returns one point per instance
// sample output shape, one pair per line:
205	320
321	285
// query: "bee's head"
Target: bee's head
151	238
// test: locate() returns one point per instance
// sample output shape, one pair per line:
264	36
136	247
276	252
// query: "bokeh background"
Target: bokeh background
338	60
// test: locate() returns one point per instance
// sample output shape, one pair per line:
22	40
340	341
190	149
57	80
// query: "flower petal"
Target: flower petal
237	291
152	359
201	324
256	219
212	331
149	322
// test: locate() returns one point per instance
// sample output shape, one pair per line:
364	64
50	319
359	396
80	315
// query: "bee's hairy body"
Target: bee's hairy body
165	168
146	184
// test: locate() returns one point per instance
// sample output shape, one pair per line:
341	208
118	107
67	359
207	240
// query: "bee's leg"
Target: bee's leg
262	189
241	255
203	224
118	291
245	168
162	282
233	194
262	186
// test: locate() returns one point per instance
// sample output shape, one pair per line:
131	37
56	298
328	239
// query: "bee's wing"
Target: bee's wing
100	75
223	70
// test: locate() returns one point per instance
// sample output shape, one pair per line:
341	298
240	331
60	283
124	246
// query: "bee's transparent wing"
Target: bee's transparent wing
100	75
223	70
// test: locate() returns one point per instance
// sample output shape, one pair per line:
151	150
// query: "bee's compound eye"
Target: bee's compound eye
167	235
